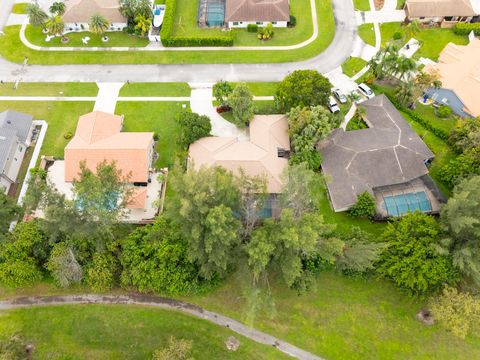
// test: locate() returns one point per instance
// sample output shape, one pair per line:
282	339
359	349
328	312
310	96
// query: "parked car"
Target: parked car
332	105
365	90
339	95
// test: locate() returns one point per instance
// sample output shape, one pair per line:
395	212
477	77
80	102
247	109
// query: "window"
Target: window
274	23
20	149
422	17
235	23
259	23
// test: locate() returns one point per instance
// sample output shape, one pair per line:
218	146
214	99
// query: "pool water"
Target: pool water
399	205
215	14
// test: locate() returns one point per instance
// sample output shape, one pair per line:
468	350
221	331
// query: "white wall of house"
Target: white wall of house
441	19
15	158
244	24
76	27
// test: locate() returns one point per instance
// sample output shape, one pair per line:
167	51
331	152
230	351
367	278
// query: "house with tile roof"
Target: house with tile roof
387	160
15	137
99	138
447	13
264	154
78	13
241	13
459	70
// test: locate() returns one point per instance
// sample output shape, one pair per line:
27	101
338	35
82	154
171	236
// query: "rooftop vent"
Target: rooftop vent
283	153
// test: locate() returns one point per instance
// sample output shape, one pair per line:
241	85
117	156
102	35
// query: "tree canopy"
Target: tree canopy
302	88
9	211
241	102
192	127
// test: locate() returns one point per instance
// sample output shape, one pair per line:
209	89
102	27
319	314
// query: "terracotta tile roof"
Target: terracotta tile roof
257	10
459	69
138	198
256	157
439	8
80	11
98	138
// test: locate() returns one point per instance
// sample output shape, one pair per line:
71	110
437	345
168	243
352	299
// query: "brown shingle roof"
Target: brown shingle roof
439	8
387	153
80	11
257	10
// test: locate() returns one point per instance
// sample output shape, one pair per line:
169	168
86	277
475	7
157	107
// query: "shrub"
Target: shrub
192	127
456	311
15	273
100	276
68	135
397	36
444	111
266	32
293	21
465	29
461	167
364	207
63	266
252	28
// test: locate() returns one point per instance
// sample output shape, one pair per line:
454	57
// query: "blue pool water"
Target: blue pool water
215	14
399	205
157	12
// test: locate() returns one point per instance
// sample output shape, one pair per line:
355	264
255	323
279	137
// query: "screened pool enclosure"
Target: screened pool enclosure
211	13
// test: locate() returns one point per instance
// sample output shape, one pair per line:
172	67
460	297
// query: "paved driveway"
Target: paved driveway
331	58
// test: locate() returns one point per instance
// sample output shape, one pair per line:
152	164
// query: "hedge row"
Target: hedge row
171	41
440	133
466	28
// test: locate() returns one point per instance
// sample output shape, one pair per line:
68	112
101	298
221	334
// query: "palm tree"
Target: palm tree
36	16
142	24
405	93
404	66
57	8
55	25
98	24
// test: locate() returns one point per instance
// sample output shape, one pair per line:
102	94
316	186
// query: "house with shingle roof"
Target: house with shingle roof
78	13
444	12
387	160
15	136
241	13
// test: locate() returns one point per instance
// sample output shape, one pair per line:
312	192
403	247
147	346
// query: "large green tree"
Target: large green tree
9	211
36	16
192	127
98	24
307	126
461	222
203	207
410	258
465	136
132	8
221	91
154	258
55	25
302	88
241	102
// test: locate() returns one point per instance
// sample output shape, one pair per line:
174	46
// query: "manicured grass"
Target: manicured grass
428	112
356	124
12	49
433	40
61	117
122	332
159	117
400	4
20	8
155	89
362	5
367	34
345	318
49	89
116	38
353	65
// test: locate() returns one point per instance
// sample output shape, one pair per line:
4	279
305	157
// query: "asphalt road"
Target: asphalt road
339	50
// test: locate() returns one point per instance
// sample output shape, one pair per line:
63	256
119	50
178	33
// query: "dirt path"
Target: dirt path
164	303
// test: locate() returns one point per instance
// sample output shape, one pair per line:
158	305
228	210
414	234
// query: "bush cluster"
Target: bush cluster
168	40
252	28
444	111
465	29
293	21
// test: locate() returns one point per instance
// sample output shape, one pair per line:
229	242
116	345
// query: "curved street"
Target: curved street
339	50
164	303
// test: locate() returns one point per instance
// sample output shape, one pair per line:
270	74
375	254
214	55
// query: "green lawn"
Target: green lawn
61	116
20	8
12	49
356	124
362	5
159	117
49	89
433	40
122	332
353	65
367	34
155	89
345	318
400	4
428	113
117	38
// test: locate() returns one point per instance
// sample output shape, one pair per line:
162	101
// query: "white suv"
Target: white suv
332	105
365	90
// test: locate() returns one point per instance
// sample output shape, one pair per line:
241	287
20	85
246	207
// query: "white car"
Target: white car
332	105
339	95
365	90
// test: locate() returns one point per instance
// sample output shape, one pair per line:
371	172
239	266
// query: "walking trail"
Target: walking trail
164	303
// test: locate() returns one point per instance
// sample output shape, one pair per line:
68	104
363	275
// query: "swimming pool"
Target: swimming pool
215	13
399	205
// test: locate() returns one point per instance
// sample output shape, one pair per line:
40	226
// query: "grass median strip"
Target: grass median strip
49	89
155	89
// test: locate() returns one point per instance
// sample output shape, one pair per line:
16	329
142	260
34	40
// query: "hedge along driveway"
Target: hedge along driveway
12	49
